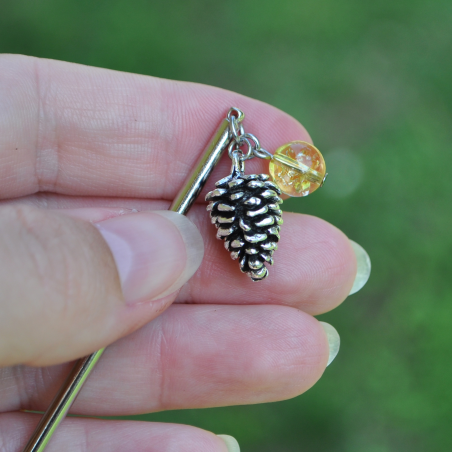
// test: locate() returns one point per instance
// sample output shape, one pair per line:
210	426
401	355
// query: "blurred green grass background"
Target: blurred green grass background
372	82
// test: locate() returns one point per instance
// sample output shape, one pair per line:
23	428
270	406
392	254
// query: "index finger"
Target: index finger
79	130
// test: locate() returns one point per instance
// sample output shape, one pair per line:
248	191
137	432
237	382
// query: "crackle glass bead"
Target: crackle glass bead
297	168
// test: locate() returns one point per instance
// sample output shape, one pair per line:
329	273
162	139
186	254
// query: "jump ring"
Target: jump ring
235	123
233	128
252	137
248	155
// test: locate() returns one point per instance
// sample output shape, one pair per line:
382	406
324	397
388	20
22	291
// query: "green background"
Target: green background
371	81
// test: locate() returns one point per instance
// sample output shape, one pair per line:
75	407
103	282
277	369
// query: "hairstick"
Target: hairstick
246	212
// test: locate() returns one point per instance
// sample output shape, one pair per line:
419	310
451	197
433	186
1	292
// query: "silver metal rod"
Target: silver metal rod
83	367
61	403
195	181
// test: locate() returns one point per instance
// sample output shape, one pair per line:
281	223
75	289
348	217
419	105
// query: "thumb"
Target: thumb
70	287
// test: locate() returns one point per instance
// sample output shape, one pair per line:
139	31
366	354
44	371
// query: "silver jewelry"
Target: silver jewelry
246	208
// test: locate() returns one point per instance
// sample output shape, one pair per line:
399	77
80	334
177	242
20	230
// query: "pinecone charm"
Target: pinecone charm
246	212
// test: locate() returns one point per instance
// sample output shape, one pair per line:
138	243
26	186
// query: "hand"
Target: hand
89	162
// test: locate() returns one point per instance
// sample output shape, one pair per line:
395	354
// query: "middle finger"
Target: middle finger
314	268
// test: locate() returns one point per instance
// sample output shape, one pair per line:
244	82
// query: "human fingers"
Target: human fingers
96	435
315	264
314	268
80	130
191	356
69	287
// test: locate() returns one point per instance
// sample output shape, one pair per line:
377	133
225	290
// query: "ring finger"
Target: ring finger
192	356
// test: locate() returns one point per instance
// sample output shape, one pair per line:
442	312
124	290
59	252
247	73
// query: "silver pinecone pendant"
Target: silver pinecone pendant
246	209
246	212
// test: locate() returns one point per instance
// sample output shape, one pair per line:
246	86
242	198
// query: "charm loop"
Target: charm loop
235	121
251	137
239	137
248	155
236	134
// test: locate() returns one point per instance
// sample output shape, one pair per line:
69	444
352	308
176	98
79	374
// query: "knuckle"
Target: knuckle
43	253
60	276
58	256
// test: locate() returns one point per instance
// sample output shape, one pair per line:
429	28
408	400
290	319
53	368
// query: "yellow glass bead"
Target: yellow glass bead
298	168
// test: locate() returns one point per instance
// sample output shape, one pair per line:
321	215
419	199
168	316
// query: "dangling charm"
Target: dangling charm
246	208
298	168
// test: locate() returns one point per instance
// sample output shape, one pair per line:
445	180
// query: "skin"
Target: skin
80	145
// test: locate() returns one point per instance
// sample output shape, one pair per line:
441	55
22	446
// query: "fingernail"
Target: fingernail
231	443
155	252
363	267
334	341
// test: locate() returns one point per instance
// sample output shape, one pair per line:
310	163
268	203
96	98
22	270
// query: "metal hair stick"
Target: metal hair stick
83	367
